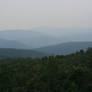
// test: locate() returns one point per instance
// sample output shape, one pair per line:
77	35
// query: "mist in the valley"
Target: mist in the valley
39	23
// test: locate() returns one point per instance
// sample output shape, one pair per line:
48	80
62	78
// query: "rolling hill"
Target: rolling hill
45	36
11	44
33	39
13	53
65	48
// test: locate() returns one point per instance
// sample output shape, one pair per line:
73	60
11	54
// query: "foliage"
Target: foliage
70	73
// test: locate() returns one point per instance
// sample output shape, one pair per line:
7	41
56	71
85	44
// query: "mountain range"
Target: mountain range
44	36
59	49
65	48
32	39
44	42
11	44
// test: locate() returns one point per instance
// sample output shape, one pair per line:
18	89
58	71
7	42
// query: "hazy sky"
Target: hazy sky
27	14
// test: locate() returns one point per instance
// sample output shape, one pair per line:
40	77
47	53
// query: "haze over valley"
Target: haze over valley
42	37
50	41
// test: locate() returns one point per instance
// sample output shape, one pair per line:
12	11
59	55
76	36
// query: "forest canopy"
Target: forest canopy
61	73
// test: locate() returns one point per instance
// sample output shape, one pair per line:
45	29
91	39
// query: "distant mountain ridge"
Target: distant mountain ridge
11	44
59	49
42	37
65	48
45	36
32	39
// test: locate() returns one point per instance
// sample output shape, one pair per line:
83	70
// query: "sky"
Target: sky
28	14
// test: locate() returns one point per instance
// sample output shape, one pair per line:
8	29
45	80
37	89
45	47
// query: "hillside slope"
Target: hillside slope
65	48
11	44
12	53
32	39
